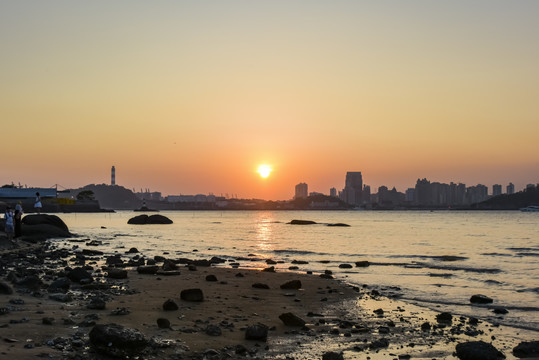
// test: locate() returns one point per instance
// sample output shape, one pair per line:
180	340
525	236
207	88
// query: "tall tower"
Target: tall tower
113	176
353	187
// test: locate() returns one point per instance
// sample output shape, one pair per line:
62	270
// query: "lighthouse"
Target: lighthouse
113	176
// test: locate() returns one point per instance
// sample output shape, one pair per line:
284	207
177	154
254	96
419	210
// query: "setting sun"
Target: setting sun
264	170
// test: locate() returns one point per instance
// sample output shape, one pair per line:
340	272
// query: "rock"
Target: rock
117	273
47	321
345	266
152	219
217	260
290	319
211	278
96	304
193	295
260	286
5	289
425	326
133	250
32	282
331	355
364	263
117	341
480	299
379	343
44	219
326	276
170	305
269	269
61	297
478	350
257	332
299	262
500	310
444	317
169	265
148	269
339	224
291	285
213	330
301	222
79	275
527	349
163	323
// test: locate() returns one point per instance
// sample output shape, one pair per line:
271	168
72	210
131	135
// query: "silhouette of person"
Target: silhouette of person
18	222
37	204
9	226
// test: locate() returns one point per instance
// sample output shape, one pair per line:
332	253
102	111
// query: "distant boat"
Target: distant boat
145	208
531	208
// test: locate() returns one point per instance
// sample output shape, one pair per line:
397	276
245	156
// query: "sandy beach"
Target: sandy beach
43	317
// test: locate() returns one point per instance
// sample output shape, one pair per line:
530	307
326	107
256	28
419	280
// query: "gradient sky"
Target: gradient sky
188	97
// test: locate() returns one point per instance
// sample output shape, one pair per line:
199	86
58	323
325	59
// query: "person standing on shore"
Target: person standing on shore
9	226
37	204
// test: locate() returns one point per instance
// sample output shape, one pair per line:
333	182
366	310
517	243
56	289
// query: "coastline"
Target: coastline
357	322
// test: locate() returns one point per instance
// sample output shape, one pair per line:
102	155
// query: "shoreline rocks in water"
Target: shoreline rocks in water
149	220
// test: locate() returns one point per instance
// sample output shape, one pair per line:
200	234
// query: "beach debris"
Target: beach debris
480	299
301	222
363	263
331	355
478	350
152	219
291	285
527	349
163	323
147	269
116	340
260	286
170	305
290	319
192	295
114	273
256	332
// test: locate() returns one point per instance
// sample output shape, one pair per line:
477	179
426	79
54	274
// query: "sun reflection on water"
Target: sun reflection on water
264	232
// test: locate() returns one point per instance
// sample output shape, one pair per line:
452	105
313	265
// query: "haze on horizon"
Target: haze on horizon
191	97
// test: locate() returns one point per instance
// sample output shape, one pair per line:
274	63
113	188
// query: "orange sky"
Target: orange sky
190	98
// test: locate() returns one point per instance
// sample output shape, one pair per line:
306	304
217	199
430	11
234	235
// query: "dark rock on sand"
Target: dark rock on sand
480	299
32	282
213	330
291	285
44	219
302	222
478	350
117	273
193	295
345	266
500	311
169	265
326	276
133	250
339	225
331	355
147	269
80	275
379	343
256	332
299	262
117	341
170	305
96	304
152	219
260	286
61	284
527	349
290	319
163	323
5	289
362	263
444	317
61	297
211	278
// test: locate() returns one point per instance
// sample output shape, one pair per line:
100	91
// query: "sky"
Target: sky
188	97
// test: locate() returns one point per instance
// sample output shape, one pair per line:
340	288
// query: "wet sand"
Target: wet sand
358	322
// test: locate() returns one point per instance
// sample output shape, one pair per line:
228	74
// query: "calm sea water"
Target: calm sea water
498	252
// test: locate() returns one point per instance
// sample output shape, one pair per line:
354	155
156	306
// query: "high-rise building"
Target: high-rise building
353	188
510	189
496	189
113	176
302	190
333	192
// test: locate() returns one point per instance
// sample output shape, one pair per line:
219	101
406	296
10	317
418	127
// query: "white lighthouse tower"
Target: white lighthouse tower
113	176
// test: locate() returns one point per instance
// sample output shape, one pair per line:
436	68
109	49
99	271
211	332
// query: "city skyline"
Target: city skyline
195	97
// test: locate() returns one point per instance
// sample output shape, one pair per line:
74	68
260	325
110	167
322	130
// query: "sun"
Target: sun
264	170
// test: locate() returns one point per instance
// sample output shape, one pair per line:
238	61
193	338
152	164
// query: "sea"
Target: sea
434	259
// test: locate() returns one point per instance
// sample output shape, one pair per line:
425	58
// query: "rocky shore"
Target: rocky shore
79	303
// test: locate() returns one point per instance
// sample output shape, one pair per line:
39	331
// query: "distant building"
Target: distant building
302	190
113	176
510	189
409	195
333	192
496	189
530	186
314	193
353	188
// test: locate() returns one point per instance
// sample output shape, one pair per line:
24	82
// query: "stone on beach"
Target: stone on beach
480	299
80	275
362	263
291	285
302	222
116	340
290	319
478	350
170	305
148	269
5	289
527	349
192	295
256	332
331	355
117	273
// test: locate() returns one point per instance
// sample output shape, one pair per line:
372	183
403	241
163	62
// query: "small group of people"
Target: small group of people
13	218
13	221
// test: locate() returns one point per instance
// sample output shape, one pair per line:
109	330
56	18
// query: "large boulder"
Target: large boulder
117	341
39	219
290	319
527	349
152	219
301	222
40	227
478	350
